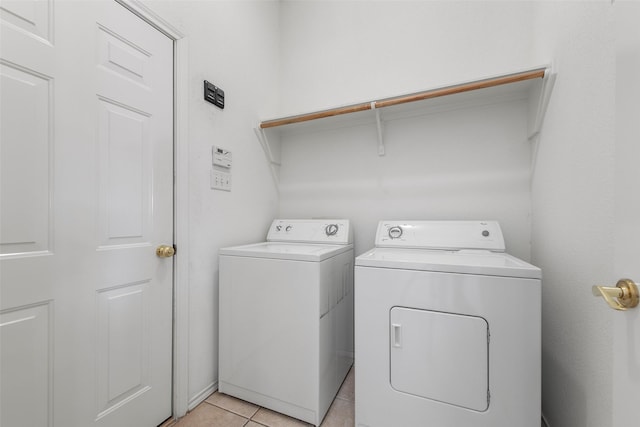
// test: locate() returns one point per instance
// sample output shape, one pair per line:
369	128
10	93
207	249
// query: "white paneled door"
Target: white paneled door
86	185
626	324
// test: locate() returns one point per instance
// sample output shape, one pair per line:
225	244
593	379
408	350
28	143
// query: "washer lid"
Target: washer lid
288	251
465	261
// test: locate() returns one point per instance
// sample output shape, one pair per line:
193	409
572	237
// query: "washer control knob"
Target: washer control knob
395	232
485	233
331	229
289	227
278	227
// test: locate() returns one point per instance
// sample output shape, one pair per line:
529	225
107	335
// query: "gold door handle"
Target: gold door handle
621	297
165	251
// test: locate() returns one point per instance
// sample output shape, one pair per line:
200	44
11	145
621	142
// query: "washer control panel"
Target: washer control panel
448	235
333	231
395	232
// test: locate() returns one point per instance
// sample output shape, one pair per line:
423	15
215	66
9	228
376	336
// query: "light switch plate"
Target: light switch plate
220	180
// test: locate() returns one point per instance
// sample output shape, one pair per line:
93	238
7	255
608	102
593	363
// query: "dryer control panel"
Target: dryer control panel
327	231
446	235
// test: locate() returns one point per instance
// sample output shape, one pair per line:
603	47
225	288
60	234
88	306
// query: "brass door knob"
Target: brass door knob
621	297
165	251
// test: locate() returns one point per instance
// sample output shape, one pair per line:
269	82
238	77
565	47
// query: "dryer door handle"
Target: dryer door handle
396	335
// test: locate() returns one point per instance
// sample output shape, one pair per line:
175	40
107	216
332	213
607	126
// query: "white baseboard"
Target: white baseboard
545	423
200	397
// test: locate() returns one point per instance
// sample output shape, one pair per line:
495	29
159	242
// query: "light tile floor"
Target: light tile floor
221	410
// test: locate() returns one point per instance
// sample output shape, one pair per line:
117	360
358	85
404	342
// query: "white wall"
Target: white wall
338	52
233	44
573	216
465	164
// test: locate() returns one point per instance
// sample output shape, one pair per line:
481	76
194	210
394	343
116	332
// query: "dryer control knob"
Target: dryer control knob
395	232
331	229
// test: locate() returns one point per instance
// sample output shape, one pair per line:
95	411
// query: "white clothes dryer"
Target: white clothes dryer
286	317
447	329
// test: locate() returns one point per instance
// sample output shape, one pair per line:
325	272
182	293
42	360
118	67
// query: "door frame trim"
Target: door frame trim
180	391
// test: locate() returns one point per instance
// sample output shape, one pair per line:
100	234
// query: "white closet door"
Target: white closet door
87	196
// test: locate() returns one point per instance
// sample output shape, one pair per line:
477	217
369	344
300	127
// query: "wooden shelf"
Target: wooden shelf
533	84
403	99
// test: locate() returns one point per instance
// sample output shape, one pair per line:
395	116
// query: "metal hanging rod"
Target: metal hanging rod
403	99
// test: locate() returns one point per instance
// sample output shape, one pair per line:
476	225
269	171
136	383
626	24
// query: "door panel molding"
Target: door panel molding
34	17
123	345
26	146
123	56
28	331
125	192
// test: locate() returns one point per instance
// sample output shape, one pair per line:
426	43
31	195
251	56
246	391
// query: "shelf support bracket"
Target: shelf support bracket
274	163
540	103
379	127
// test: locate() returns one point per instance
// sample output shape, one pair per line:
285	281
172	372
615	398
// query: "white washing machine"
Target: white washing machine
447	329
286	317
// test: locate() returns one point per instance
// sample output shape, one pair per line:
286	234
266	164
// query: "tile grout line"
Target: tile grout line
255	422
234	412
347	400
